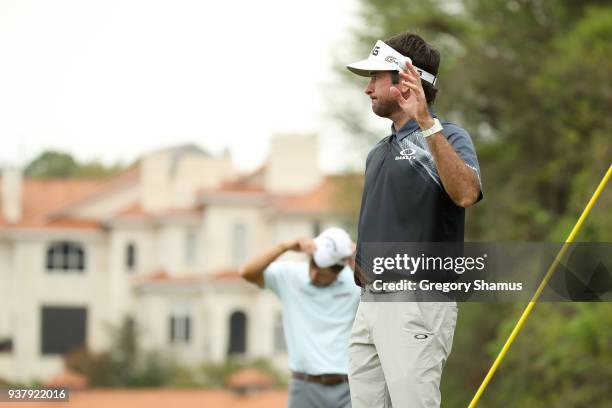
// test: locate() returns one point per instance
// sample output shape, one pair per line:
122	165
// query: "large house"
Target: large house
160	244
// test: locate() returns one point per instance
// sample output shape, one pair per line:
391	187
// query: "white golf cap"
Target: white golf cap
385	58
333	246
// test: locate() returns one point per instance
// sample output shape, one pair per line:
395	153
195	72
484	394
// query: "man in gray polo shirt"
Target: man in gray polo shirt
418	181
319	300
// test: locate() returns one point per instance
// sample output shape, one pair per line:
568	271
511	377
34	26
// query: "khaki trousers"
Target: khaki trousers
397	350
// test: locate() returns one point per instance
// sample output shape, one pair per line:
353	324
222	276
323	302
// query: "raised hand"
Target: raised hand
302	244
410	96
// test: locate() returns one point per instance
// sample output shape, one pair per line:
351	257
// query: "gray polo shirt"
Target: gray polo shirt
403	198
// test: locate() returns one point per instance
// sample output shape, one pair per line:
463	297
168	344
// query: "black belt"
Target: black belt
325	379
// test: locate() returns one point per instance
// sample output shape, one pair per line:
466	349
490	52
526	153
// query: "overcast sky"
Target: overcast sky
115	79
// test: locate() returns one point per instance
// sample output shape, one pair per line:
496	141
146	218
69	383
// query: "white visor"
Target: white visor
385	58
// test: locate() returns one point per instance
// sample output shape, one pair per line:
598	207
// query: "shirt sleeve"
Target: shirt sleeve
461	141
276	276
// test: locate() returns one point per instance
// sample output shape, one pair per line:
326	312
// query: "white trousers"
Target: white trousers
397	351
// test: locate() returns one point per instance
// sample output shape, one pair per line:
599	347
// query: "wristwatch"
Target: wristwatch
437	127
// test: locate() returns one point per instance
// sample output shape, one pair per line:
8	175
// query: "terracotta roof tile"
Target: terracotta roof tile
227	275
250	181
130	175
43	200
41	197
181	212
328	197
133	210
162	276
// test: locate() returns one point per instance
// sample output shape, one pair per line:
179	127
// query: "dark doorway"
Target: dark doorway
237	333
62	329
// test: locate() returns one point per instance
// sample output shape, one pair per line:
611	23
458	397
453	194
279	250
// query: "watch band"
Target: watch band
437	127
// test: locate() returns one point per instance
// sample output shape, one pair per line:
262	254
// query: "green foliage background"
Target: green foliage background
126	364
530	80
55	164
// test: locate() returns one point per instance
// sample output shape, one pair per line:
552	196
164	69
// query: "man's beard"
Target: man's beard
385	109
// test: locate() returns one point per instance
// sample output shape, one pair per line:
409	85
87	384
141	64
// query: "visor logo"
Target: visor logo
391	59
406	154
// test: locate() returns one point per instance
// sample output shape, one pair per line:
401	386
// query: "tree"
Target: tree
530	81
51	164
125	364
513	73
55	164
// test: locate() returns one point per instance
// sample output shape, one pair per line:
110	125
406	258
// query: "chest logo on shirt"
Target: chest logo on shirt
406	154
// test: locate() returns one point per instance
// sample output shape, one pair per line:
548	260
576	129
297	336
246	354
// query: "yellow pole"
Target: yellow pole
536	295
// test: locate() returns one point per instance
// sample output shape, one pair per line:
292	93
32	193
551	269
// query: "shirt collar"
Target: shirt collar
409	127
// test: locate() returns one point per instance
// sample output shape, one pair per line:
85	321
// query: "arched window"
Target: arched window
237	333
65	256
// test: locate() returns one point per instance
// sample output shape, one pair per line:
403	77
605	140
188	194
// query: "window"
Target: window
130	256
279	335
6	345
190	248
239	243
63	329
237	333
180	326
65	256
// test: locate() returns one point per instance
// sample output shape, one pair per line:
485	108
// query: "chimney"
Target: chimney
11	195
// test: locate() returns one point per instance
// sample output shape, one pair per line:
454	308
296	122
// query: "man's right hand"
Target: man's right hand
302	244
253	270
